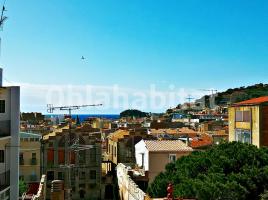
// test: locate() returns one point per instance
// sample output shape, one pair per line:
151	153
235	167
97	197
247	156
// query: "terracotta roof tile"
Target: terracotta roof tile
254	101
118	135
166	145
203	141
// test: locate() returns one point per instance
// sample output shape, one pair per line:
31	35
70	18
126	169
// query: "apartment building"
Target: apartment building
121	145
153	155
79	165
9	141
248	121
29	158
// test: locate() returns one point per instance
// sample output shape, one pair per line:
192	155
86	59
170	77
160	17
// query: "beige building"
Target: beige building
74	156
30	159
121	144
153	155
101	123
248	121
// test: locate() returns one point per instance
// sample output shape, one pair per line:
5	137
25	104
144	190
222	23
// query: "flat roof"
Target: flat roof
29	135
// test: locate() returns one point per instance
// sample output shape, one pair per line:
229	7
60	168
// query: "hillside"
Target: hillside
241	94
133	113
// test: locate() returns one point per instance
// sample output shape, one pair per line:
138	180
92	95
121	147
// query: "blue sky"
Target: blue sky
190	44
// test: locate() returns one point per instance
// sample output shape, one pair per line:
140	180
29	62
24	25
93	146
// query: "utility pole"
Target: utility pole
189	98
71	146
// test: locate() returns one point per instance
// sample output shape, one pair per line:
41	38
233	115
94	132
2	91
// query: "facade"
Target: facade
121	145
29	159
154	155
79	166
101	123
9	141
248	121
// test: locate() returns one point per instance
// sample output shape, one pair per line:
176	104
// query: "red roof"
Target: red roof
254	101
203	141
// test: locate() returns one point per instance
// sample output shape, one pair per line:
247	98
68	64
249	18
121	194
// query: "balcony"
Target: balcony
33	177
4	128
33	161
21	161
4	180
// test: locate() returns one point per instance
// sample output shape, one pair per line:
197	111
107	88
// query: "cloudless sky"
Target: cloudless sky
189	43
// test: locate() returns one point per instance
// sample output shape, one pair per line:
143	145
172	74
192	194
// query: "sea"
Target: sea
82	117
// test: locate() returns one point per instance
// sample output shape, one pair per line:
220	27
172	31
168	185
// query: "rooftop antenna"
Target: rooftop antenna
2	20
70	146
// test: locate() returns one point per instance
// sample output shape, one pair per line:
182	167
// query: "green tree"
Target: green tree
227	171
22	187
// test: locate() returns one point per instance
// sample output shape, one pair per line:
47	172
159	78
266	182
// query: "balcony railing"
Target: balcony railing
4	128
33	177
4	180
21	161
33	161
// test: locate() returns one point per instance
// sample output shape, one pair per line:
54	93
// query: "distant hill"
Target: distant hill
133	113
241	94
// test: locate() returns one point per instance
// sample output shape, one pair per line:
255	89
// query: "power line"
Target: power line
74	146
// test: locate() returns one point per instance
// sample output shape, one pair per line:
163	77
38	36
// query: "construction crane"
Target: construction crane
70	145
212	91
51	108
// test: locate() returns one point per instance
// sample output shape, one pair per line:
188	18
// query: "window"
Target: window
2	106
142	160
50	175
242	116
2	156
21	159
50	144
50	156
61	156
172	157
246	116
82	157
93	155
60	175
33	155
33	177
115	151
92	174
82	175
243	135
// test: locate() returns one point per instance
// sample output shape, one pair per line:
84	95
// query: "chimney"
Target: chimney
1	77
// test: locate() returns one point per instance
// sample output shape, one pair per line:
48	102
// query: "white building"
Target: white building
154	155
9	141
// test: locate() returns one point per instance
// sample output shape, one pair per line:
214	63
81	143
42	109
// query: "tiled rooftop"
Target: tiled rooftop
118	135
254	101
203	141
166	145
